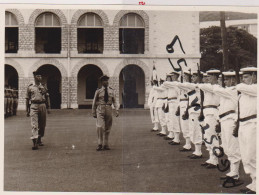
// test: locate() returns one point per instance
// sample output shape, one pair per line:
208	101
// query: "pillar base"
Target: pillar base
64	106
74	105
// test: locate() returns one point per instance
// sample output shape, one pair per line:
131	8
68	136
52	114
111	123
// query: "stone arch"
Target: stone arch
142	14
17	14
58	12
15	65
80	12
50	61
84	62
126	62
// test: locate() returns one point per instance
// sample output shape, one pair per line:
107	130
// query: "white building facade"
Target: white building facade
73	48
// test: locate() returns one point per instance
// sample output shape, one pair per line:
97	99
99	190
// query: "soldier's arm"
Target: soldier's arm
247	89
27	101
94	106
115	103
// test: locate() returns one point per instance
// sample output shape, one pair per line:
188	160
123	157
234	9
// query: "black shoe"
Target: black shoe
167	138
224	177
204	164
99	148
175	143
211	166
170	142
243	191
106	148
152	130
35	148
161	134
196	156
250	192
35	144
185	150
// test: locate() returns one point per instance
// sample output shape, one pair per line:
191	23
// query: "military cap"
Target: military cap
213	72
248	70
175	72
104	78
188	72
229	73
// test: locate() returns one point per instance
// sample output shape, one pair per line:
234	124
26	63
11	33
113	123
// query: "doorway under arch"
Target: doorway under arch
132	87
51	77
11	76
88	81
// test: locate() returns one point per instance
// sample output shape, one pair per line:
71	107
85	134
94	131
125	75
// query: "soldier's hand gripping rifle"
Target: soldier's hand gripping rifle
236	129
186	113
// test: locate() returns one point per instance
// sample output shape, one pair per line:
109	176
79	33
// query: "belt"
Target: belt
210	106
248	118
226	113
161	98
195	105
173	98
38	102
183	99
191	92
105	104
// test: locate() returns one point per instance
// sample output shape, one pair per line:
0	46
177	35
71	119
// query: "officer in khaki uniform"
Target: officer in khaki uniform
102	110
39	98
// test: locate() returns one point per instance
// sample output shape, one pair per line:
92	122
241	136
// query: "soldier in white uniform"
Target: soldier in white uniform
184	113
160	103
194	112
173	101
247	124
151	103
211	103
228	116
166	110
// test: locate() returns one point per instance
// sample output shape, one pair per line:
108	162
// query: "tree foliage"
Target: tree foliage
242	48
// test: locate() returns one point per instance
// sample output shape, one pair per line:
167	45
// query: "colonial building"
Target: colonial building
73	48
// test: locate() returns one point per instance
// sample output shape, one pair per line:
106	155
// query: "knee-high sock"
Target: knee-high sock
100	135
176	137
106	138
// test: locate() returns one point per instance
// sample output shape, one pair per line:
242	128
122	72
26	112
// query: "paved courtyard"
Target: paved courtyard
140	161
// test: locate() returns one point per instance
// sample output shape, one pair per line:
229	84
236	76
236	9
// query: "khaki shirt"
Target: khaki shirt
99	98
36	93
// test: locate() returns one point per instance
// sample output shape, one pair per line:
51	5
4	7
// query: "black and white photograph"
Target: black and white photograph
137	99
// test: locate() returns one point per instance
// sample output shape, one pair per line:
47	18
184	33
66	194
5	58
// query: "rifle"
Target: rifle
201	117
235	131
186	113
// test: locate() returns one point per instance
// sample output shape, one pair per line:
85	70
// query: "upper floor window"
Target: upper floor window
11	33
47	33
90	34
132	34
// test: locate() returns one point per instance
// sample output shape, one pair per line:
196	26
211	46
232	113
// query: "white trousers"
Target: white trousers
194	128
152	114
184	124
210	132
247	144
156	119
173	119
161	117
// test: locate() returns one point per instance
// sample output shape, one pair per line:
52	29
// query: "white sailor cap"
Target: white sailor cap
213	71
188	72
175	72
195	72
248	70
229	73
205	74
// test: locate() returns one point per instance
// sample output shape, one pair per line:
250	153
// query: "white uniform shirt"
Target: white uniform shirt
173	90
193	97
209	99
248	100
160	97
228	101
151	97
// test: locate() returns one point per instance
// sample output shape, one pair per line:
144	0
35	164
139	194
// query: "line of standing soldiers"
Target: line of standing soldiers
10	101
204	111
